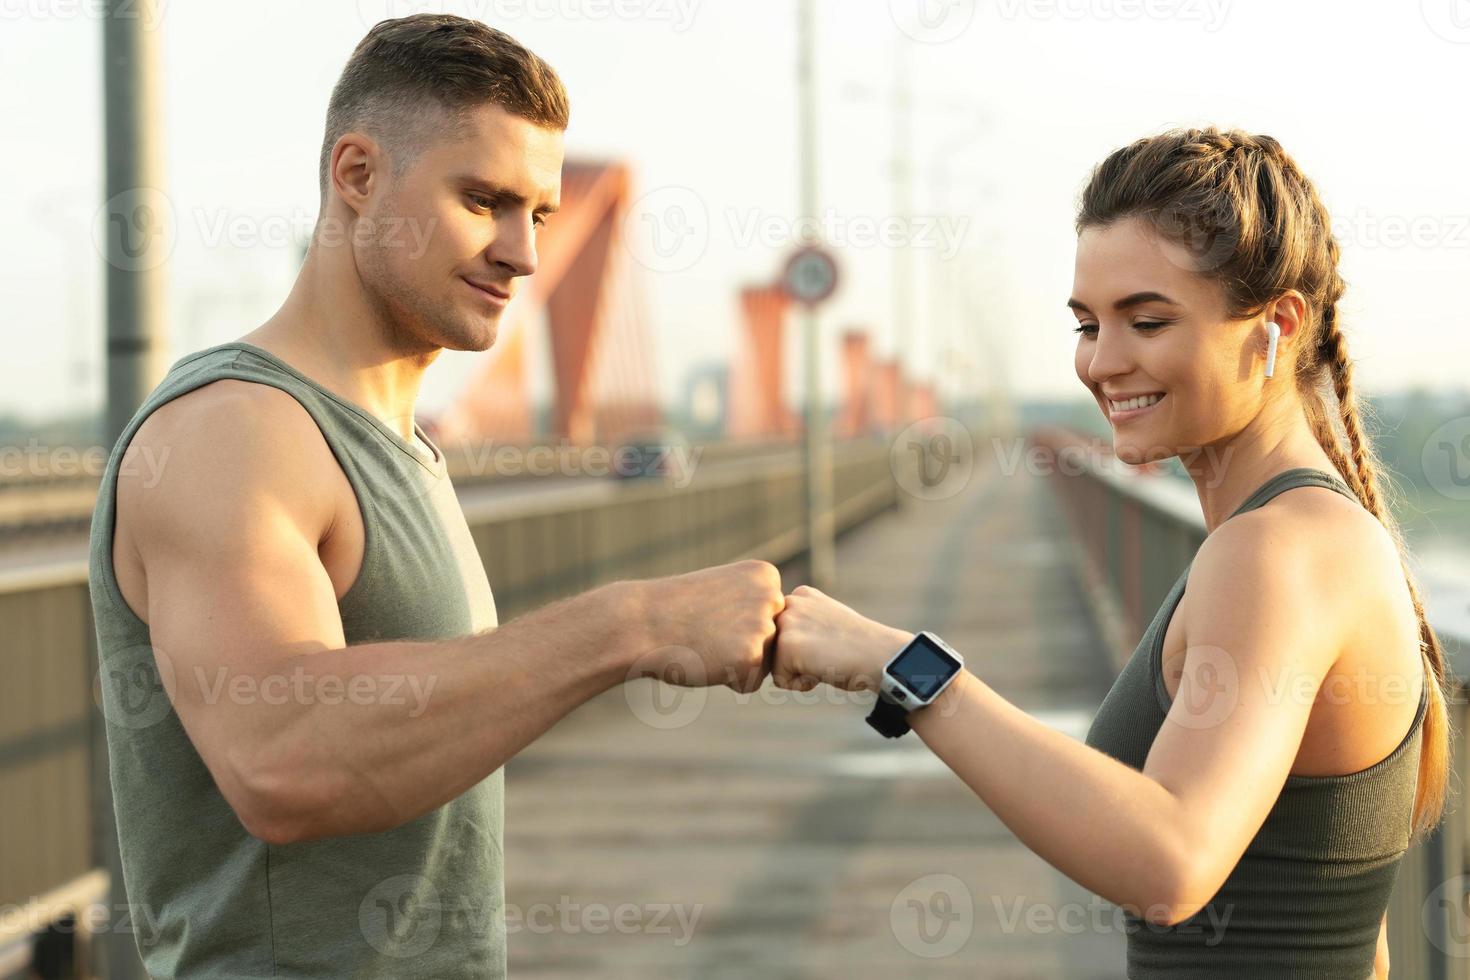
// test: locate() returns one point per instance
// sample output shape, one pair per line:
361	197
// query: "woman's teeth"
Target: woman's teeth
1142	401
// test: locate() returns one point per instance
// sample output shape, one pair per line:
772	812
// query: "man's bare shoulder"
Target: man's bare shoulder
226	444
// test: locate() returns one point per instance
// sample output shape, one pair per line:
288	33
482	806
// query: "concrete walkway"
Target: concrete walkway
777	836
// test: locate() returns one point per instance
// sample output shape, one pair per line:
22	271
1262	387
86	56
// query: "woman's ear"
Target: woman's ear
1289	311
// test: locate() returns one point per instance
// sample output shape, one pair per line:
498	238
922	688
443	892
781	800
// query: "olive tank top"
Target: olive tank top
1308	896
424	899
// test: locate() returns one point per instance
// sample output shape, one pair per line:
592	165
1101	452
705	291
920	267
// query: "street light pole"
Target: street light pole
137	214
821	567
137	237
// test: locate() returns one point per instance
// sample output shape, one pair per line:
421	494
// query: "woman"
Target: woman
1280	732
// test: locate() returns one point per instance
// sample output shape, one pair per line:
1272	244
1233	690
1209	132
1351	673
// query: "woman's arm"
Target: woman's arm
1158	842
1100	822
1380	963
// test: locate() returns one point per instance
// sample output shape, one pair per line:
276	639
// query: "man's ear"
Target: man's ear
357	162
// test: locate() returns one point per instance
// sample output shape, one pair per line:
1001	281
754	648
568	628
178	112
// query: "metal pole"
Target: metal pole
906	320
822	565
138	217
137	234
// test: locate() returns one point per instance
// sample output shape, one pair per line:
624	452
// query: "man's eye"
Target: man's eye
480	201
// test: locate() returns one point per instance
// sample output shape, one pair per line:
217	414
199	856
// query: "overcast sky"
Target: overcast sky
1014	101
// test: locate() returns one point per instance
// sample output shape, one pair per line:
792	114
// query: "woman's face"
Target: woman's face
1151	326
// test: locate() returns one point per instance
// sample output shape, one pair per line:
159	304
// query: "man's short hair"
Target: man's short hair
411	76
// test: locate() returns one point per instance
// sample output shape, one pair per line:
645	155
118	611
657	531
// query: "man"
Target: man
301	564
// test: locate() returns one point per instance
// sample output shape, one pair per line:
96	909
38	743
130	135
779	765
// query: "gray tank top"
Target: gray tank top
1308	895
425	899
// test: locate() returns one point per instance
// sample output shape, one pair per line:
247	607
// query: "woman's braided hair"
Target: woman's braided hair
1254	222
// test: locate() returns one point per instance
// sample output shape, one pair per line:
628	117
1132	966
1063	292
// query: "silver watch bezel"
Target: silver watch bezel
899	692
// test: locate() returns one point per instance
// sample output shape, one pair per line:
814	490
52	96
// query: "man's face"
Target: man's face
457	230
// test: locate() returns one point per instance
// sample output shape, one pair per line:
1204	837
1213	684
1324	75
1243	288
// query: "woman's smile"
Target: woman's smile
1127	409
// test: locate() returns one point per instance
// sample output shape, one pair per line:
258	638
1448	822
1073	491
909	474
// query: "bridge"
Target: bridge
707	834
731	836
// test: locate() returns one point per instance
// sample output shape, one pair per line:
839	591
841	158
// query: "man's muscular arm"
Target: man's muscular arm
229	539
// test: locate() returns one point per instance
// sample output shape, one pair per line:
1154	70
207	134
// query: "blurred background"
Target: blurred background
653	405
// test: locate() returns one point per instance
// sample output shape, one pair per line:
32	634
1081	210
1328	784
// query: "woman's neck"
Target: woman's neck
1226	473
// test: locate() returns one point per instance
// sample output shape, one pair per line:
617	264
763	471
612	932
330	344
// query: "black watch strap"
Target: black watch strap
889	717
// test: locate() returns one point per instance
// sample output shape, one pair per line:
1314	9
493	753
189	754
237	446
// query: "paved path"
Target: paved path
780	837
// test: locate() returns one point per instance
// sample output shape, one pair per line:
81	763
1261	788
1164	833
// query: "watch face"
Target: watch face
923	667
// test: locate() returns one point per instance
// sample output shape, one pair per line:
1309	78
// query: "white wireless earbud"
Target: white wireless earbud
1273	331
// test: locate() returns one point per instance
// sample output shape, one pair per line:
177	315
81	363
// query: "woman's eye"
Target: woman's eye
1088	329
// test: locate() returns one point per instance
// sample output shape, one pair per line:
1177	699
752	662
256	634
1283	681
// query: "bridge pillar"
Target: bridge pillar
889	403
857	368
757	405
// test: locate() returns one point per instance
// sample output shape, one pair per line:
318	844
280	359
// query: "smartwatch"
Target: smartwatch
913	678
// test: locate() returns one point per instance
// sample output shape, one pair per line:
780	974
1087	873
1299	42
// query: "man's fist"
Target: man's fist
713	626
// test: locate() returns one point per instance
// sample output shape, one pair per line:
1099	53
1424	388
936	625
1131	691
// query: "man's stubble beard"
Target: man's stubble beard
412	319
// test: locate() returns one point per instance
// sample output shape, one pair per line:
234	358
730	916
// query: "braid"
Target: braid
1364	470
1340	366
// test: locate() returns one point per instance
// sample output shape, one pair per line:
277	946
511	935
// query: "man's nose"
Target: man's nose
514	249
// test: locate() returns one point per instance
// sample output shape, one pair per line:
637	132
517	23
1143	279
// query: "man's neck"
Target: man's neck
333	337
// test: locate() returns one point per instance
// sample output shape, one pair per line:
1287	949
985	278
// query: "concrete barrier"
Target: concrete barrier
536	548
